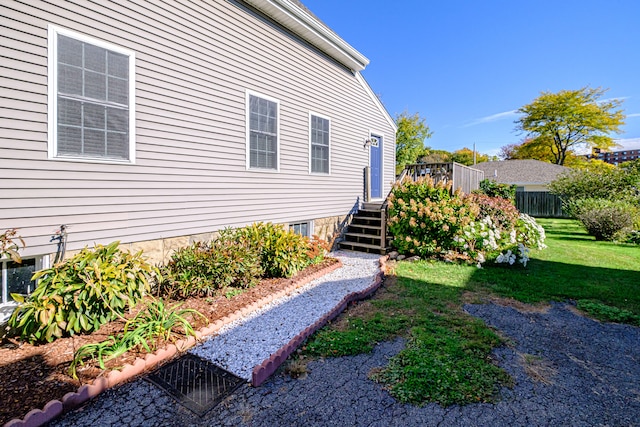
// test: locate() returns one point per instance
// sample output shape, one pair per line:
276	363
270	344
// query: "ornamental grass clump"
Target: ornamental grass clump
154	324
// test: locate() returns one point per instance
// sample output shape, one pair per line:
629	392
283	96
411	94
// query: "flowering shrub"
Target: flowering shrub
478	238
425	218
521	253
529	232
502	212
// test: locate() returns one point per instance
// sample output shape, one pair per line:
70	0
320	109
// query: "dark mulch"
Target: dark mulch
32	375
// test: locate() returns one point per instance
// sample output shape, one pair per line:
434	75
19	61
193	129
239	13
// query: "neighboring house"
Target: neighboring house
159	123
527	175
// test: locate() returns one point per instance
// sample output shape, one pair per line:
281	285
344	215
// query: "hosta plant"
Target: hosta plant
81	293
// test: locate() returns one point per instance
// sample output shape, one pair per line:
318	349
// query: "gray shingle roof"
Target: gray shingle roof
521	171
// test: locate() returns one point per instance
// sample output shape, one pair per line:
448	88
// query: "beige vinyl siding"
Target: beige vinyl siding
194	63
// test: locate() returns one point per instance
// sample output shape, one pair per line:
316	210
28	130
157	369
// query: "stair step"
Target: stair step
369	206
357	220
362	247
367	226
368	213
363	235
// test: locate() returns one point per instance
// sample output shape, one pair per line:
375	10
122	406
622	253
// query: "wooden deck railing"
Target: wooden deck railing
464	177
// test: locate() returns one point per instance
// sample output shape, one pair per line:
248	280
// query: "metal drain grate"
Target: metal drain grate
195	383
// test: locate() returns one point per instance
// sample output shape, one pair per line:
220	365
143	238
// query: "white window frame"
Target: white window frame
310	230
248	94
42	262
54	31
311	172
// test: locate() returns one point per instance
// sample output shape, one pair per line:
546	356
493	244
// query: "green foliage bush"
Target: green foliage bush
237	259
202	269
495	189
425	218
609	184
282	252
605	219
81	293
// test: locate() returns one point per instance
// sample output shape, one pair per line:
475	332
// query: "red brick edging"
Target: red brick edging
268	366
71	400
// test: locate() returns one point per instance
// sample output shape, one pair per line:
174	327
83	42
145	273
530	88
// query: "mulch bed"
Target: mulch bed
33	375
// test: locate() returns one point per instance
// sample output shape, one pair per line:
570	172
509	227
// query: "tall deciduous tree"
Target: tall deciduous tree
412	131
465	156
570	119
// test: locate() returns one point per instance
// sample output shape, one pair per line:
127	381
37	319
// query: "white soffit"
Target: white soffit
305	25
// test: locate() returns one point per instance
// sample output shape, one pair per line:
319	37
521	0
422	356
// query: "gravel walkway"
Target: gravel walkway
246	343
591	369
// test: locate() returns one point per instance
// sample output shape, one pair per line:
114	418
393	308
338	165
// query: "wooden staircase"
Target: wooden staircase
367	231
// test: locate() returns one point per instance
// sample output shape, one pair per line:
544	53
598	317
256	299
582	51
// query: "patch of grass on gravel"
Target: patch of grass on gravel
447	357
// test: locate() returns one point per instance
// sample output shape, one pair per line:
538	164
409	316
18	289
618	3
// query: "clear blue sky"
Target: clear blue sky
465	66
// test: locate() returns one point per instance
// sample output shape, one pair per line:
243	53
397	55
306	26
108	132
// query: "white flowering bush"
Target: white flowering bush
520	254
478	238
529	232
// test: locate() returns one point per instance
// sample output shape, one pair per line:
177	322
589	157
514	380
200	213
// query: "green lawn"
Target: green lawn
447	355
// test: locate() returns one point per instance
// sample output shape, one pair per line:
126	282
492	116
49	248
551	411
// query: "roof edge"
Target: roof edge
301	22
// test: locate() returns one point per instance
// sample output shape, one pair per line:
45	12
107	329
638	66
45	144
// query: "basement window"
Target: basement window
301	228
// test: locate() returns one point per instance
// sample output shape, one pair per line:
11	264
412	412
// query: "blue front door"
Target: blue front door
375	163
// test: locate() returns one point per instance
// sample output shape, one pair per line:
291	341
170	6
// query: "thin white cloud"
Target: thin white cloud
633	115
617	98
494	118
627	143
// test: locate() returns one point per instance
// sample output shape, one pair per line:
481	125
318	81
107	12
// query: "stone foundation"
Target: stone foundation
331	228
159	251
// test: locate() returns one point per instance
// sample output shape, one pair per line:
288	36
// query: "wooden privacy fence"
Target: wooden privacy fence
463	177
539	204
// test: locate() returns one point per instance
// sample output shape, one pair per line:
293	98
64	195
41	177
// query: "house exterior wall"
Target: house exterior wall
195	62
534	187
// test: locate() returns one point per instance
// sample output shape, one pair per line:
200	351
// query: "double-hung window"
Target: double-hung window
91	99
263	129
319	135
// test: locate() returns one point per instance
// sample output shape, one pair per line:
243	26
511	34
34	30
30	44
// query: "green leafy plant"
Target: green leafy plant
202	269
81	293
282	252
9	246
608	313
605	219
156	322
494	189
